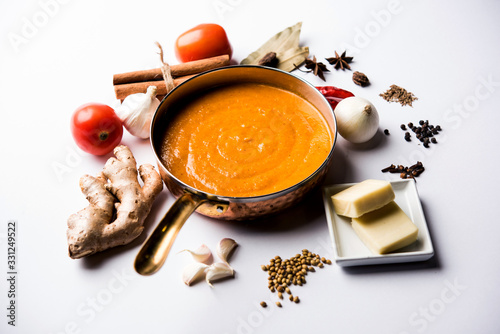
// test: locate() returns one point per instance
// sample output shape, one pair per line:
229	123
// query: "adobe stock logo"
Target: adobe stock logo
381	19
470	104
30	27
89	309
222	7
425	315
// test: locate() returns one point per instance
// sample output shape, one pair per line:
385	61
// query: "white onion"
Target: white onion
357	119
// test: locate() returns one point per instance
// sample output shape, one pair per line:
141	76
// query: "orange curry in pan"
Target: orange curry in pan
245	140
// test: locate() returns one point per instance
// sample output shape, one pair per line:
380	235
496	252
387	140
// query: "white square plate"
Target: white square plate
349	250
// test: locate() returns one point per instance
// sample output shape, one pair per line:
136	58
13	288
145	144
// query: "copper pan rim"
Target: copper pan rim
243	199
156	248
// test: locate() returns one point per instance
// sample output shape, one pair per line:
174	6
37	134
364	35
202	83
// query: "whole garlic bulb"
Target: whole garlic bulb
137	110
357	119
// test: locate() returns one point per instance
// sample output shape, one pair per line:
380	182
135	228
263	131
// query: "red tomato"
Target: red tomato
96	128
203	41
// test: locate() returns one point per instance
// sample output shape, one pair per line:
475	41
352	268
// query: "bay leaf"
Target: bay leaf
292	57
286	45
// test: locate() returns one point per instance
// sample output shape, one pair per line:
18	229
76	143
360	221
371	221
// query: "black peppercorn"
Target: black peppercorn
424	132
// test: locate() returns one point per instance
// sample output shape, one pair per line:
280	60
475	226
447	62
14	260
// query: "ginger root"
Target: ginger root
91	230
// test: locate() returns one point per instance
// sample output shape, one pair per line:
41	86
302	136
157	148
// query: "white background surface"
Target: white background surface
445	52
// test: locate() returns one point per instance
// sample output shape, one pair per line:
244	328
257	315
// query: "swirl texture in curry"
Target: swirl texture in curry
245	140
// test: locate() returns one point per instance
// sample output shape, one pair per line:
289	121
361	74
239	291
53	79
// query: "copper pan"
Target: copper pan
155	250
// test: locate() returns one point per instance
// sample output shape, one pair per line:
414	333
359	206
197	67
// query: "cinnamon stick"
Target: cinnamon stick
122	91
180	70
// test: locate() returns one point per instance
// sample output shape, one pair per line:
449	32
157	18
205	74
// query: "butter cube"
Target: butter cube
363	197
386	229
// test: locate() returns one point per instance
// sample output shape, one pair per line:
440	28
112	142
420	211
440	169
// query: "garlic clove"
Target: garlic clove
225	248
218	271
193	272
201	254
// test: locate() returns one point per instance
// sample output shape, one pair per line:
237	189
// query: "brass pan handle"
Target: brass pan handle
155	250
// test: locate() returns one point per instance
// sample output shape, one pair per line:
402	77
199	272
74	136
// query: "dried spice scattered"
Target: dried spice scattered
282	273
269	60
314	66
360	79
425	132
386	132
286	45
407	136
398	94
341	61
406	172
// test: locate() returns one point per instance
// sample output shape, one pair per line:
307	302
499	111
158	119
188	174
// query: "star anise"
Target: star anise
341	61
314	66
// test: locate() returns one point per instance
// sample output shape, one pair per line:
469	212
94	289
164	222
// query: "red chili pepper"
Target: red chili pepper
334	95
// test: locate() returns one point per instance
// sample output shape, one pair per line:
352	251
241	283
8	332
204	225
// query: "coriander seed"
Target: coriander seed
284	272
